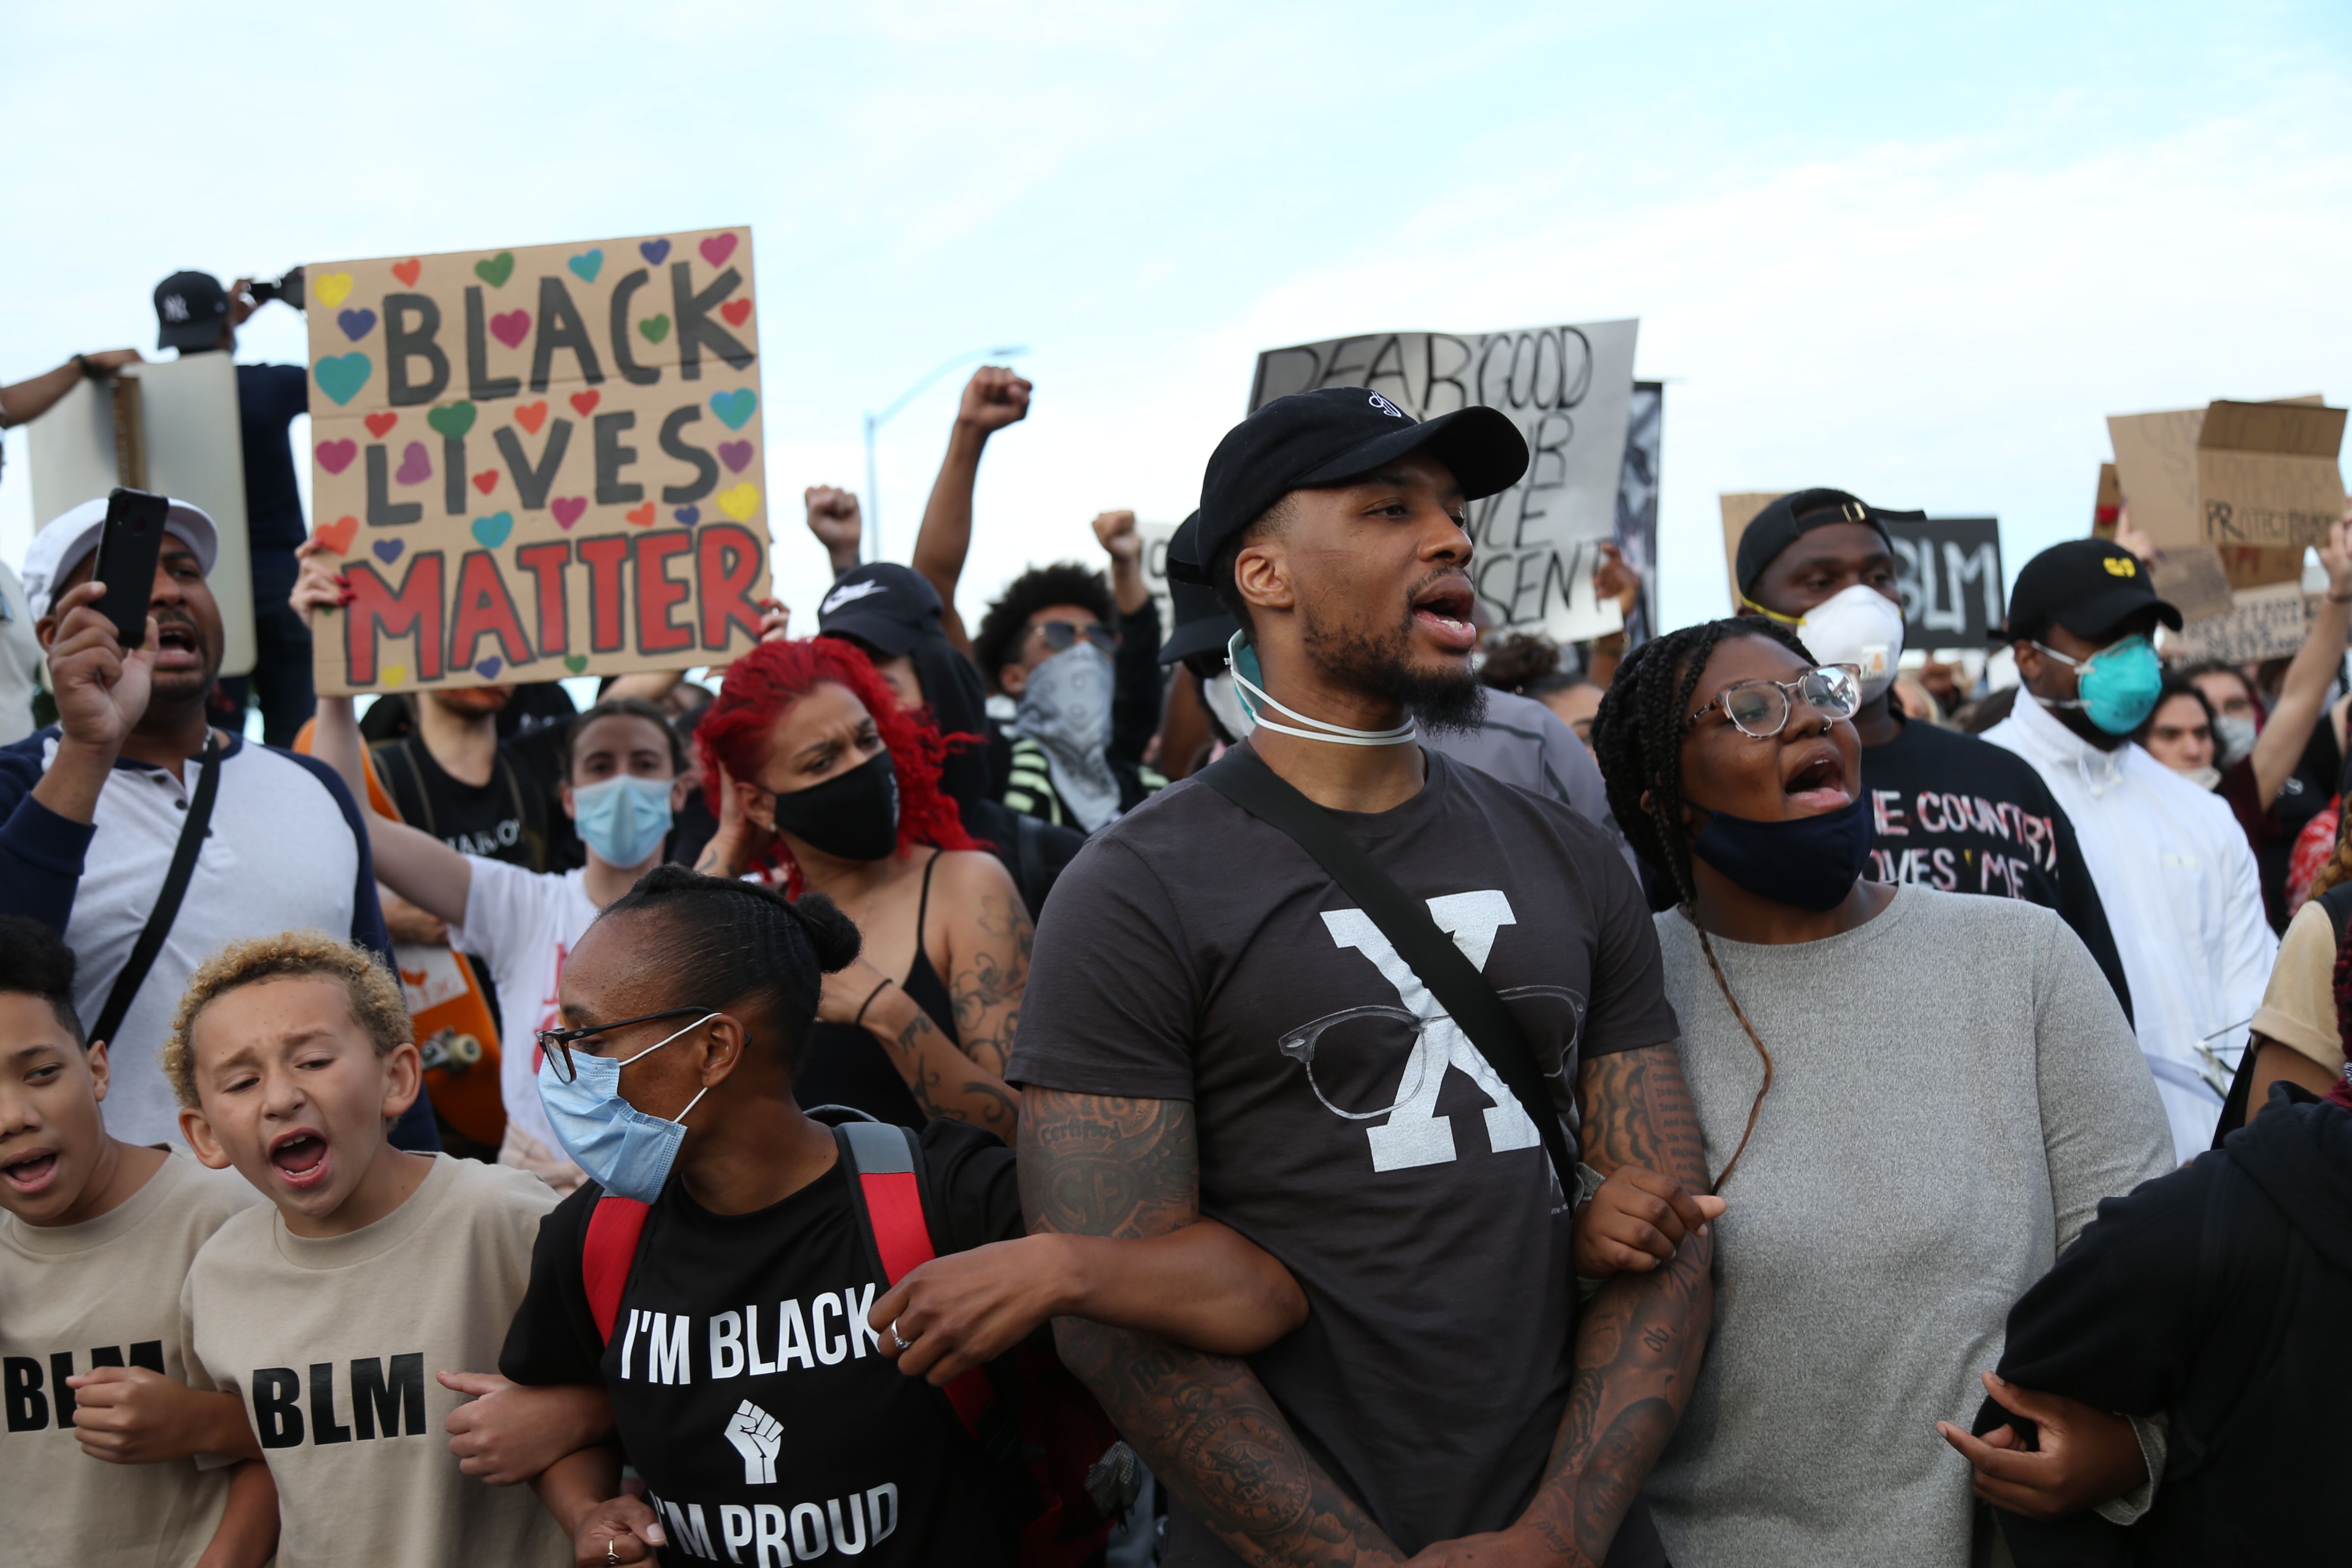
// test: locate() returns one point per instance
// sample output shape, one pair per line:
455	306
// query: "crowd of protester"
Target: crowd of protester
1307	1082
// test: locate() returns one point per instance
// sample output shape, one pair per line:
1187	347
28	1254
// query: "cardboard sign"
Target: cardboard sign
2239	476
2193	582
539	462
1567	389
2107	509
1948	572
2269	622
1739	510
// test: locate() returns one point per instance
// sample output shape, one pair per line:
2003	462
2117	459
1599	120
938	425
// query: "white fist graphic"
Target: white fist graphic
756	1436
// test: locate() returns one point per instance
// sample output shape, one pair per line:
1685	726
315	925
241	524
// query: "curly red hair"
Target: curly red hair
763	684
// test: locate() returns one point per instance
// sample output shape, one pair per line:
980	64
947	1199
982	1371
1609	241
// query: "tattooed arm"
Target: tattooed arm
988	940
946	1082
1097	1166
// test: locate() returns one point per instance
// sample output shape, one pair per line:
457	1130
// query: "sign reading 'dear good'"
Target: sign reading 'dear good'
538	462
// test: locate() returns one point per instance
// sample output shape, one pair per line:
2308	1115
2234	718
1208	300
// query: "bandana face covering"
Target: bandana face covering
1066	709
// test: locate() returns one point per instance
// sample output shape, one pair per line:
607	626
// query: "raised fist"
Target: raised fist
832	516
756	1436
993	398
1116	533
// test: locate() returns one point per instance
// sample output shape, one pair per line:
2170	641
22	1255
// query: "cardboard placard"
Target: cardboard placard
1948	572
2239	476
2106	509
2193	582
1739	510
539	462
1568	388
2269	622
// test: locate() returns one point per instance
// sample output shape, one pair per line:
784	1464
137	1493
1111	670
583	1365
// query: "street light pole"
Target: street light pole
874	422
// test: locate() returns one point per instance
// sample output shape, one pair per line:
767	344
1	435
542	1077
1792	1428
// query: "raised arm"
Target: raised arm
411	862
833	518
993	398
2302	694
32	398
1097	1166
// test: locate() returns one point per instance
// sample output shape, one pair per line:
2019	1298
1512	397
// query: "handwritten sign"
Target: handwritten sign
1947	570
538	462
2269	622
1568	388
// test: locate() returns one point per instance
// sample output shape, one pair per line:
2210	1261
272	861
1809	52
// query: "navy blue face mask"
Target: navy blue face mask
1812	862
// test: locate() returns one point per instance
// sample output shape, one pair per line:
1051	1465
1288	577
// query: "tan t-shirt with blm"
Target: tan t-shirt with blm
2298	1007
333	1344
105	1292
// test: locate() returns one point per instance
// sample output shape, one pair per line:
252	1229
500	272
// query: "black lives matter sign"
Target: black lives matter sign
1948	572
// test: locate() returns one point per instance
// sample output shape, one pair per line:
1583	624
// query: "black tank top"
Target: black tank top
843	1064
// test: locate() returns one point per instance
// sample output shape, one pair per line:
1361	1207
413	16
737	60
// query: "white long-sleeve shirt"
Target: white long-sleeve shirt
2182	895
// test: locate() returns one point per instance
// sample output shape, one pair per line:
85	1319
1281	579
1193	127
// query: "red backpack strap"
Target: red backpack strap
606	1257
884	1161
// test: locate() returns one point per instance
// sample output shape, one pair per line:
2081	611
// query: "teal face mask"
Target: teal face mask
2117	686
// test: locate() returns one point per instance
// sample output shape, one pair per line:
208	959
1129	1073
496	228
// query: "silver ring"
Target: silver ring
903	1344
611	1555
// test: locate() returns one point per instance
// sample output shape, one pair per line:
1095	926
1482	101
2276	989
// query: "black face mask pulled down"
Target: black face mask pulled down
1812	862
854	815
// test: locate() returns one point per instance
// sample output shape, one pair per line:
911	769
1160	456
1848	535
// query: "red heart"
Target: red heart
642	516
337	535
406	271
531	415
584	402
718	249
735	310
486	481
378	424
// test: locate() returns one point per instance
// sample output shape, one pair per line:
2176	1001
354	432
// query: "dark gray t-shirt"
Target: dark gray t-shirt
1193	952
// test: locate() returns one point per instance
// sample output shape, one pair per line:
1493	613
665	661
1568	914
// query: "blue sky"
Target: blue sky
1917	252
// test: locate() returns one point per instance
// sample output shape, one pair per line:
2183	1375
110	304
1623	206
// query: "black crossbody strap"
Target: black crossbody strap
1467	997
167	903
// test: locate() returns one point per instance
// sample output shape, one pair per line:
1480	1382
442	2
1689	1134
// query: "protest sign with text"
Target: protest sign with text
2269	622
1947	570
538	462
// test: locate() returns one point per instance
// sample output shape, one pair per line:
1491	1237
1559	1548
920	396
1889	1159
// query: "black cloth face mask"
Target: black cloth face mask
854	815
1812	862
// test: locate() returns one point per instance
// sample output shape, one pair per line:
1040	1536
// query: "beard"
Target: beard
1380	663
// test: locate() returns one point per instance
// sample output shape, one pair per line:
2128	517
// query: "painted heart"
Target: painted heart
735	455
587	264
492	531
356	324
655	328
642	516
381	423
416	468
341	377
734	408
387	550
486	481
337	535
452	419
406	271
718	249
511	328
688	515
395	675
488	669
584	402
735	310
531	415
332	289
741	502
497	269
336	456
653	250
568	508
575	662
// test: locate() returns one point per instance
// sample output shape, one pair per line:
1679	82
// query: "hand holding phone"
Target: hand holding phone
127	549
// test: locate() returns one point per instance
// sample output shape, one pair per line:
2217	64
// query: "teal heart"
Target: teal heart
452	419
497	269
341	377
734	408
492	531
587	264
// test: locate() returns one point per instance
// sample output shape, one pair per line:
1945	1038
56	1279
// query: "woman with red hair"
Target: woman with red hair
813	767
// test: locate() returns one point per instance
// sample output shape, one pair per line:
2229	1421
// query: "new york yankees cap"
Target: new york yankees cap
885	606
190	309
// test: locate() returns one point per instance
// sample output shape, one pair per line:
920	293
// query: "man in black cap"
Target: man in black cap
195	315
2173	867
1948	810
1213	1027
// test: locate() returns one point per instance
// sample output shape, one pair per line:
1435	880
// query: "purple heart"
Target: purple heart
569	507
688	515
734	454
488	669
356	324
653	250
388	550
416	468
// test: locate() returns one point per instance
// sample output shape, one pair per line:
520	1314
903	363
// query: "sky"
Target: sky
1918	253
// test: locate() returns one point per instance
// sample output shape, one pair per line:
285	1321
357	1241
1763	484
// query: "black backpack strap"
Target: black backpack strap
167	903
1467	997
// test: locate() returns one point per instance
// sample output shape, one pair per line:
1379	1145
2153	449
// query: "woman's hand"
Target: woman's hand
621	1531
1635	1222
958	1311
2081	1456
741	842
506	1432
318	586
847	990
404	921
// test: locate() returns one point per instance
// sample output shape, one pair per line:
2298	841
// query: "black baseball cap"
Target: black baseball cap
1790	517
2090	586
1203	625
1328	437
190	309
882	605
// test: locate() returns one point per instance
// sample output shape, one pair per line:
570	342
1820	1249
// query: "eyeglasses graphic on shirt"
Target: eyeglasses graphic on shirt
1367	1054
1060	635
556	1044
1760	709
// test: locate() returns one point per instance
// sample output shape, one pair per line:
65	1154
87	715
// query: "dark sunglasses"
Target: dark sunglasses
1061	637
557	1044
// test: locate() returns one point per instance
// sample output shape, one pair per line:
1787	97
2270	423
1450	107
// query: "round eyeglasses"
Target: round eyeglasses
556	1044
1760	709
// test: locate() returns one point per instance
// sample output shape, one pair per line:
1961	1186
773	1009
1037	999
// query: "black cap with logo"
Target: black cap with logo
1787	519
2090	586
191	308
883	604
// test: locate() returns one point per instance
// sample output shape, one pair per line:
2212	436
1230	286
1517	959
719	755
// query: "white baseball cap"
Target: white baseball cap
72	536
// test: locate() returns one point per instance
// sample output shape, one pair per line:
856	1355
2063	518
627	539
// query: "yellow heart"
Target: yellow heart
395	675
334	289
742	501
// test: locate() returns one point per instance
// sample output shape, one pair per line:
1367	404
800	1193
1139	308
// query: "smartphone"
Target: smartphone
128	550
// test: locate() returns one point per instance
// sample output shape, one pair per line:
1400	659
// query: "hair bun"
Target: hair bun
834	935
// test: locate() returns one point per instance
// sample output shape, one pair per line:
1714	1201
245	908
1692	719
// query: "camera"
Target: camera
287	288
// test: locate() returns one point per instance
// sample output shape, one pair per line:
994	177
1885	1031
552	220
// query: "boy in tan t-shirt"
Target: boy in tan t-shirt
330	1311
95	1236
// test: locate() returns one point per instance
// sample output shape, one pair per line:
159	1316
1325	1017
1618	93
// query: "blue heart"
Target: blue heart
488	669
653	250
341	377
689	515
734	408
587	264
387	551
492	531
356	324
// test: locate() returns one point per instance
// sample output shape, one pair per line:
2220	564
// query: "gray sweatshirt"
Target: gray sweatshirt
1954	1090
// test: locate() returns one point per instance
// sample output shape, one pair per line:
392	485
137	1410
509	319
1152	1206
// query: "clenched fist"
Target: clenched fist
1115	531
993	398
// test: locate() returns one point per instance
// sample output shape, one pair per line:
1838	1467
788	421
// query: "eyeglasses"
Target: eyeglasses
1760	709
1060	635
1351	1069
556	1044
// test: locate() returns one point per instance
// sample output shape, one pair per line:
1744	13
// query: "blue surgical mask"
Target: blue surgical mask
1812	862
2119	684
623	819
627	1153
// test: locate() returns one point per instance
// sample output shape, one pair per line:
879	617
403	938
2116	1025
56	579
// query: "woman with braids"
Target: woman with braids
1911	1101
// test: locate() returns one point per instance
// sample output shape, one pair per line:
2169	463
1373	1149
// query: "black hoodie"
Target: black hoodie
2220	1295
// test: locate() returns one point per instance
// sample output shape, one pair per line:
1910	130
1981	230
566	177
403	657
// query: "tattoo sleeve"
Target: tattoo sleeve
1097	1166
989	980
945	1082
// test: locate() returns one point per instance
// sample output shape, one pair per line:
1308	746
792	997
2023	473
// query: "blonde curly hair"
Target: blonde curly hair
376	1003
